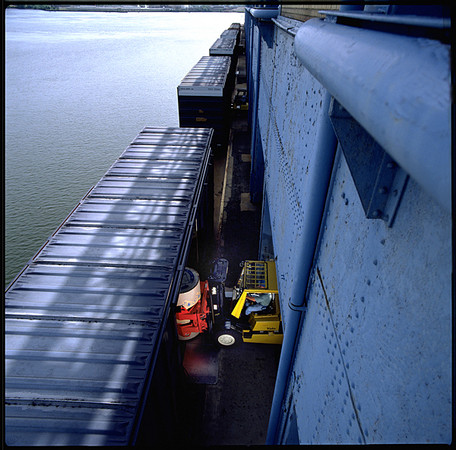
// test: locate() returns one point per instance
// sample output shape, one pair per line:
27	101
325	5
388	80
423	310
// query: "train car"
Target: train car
204	97
227	46
223	46
91	349
231	33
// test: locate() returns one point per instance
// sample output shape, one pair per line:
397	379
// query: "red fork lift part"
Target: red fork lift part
194	320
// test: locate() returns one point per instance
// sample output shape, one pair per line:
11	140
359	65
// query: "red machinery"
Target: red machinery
194	320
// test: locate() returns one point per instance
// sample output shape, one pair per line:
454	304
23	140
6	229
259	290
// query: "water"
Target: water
79	87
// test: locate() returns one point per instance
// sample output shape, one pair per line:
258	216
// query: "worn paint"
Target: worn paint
288	143
378	325
373	353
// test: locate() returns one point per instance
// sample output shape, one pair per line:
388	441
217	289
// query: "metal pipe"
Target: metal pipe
290	30
264	13
320	176
396	87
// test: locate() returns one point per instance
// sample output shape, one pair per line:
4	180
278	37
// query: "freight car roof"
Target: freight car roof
223	46
84	320
207	78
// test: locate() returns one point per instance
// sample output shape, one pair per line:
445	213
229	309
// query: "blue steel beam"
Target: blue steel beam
396	87
361	90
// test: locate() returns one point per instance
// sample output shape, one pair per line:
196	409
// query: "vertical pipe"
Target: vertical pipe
321	174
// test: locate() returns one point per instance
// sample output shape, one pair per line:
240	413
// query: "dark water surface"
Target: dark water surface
79	87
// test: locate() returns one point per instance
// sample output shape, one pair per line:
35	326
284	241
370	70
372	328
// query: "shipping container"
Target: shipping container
227	46
204	97
91	351
232	34
223	46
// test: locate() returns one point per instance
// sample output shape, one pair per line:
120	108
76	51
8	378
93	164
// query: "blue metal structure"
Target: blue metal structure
89	337
351	153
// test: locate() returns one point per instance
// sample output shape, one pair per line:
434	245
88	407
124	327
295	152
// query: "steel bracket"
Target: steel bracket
379	181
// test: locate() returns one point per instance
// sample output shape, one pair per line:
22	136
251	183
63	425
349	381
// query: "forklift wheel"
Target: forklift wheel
187	338
227	338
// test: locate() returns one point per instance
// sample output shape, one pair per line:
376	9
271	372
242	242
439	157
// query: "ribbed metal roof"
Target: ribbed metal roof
223	46
207	78
84	319
230	33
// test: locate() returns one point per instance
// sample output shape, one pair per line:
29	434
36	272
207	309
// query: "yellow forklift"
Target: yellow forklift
250	312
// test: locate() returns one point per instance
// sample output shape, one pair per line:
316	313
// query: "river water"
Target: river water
79	87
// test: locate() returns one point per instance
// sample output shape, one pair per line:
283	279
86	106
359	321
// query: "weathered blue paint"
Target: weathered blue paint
257	170
374	356
266	247
261	41
248	32
256	179
378	179
366	307
396	87
299	207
